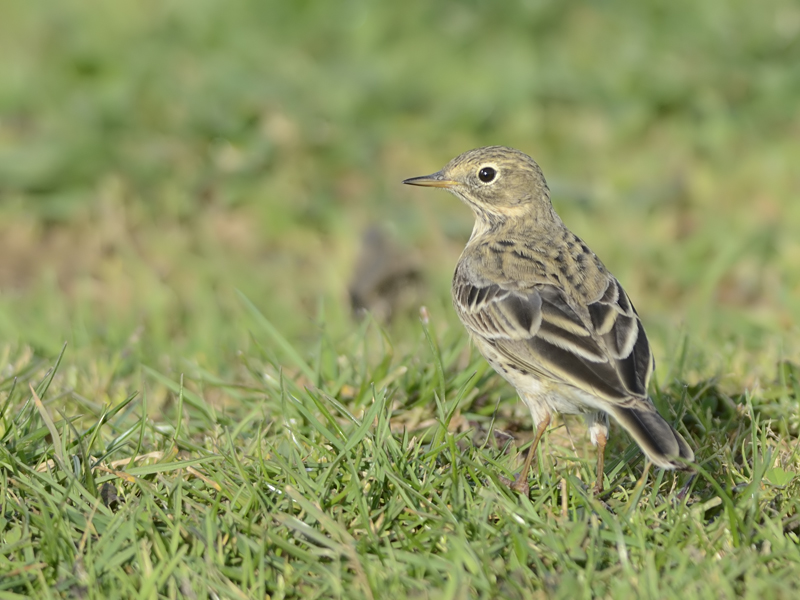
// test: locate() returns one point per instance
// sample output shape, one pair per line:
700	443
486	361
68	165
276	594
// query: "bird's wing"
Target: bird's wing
604	352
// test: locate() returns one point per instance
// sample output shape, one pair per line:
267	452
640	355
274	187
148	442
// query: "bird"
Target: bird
546	313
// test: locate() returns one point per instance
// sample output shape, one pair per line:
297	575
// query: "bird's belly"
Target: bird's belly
536	391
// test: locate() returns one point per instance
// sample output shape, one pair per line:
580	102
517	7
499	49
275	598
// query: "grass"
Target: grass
182	190
367	474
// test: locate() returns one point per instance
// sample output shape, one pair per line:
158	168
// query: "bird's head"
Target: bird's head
495	181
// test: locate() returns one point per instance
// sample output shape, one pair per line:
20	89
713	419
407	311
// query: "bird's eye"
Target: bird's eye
487	174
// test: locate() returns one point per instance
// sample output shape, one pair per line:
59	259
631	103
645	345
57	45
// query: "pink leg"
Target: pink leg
521	482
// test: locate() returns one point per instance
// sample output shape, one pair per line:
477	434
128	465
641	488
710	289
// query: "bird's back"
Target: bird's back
544	300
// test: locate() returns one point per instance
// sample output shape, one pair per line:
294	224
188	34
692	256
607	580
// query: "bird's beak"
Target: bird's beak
435	180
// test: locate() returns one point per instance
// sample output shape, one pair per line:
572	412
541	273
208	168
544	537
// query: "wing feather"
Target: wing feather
601	349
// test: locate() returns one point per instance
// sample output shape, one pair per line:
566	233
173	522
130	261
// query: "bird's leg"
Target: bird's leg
685	488
601	451
521	482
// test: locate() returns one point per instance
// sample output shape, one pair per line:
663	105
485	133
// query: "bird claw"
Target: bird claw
519	484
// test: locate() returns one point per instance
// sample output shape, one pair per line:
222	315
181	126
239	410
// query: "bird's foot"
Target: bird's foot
519	484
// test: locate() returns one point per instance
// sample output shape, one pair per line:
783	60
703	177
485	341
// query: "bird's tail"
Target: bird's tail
657	438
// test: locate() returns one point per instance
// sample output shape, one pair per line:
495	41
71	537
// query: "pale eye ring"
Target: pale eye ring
487	174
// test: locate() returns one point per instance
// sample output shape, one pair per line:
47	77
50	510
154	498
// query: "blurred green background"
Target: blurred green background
157	156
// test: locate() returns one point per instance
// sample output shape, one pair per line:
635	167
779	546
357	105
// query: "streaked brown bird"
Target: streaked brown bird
546	313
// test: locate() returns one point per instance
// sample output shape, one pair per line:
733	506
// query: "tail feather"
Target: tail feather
657	438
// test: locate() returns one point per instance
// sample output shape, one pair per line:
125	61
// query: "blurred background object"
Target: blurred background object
386	278
155	157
